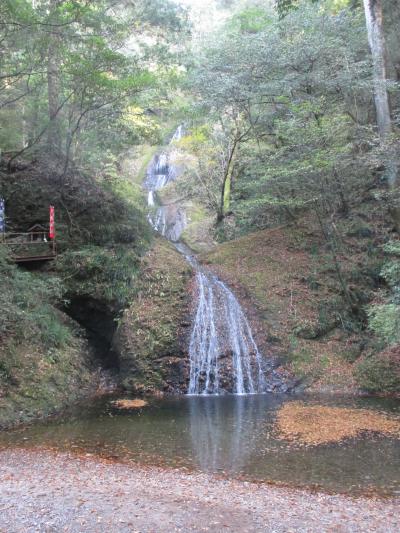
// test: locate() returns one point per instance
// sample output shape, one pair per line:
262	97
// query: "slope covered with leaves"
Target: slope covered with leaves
289	276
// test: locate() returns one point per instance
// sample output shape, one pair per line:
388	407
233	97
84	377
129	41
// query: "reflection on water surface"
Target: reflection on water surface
234	435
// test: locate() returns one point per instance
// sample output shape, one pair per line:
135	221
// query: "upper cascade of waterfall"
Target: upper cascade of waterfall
162	170
159	172
178	134
169	220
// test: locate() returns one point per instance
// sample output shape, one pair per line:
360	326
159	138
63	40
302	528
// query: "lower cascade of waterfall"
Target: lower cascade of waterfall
223	353
222	341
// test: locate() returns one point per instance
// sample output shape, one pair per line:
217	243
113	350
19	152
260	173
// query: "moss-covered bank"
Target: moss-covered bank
46	362
37	380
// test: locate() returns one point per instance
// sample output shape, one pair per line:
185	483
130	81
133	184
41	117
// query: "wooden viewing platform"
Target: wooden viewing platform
30	246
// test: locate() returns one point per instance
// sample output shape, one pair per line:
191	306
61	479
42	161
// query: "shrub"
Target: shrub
384	321
391	271
106	274
380	372
26	305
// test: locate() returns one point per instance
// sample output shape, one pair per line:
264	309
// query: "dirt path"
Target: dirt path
42	491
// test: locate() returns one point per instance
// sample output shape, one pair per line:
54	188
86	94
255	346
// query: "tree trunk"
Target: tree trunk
376	38
53	84
226	183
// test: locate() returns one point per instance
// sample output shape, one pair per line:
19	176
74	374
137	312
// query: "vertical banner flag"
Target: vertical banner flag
52	229
2	216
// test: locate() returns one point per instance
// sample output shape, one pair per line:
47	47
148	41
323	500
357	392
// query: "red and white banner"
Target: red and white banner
2	216
52	230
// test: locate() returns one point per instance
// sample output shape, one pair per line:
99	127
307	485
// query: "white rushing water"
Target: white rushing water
223	353
168	220
221	331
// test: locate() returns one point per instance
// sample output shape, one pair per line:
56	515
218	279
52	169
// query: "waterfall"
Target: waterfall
178	134
168	220
150	199
223	353
221	330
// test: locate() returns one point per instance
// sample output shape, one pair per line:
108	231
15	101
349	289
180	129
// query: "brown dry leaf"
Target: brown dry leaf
129	404
317	424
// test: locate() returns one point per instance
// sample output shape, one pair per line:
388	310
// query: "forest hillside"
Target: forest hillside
288	169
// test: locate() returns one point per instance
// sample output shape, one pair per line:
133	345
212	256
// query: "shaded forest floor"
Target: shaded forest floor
44	491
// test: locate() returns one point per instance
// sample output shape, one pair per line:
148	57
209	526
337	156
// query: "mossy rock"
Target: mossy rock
198	234
151	340
307	329
360	229
169	194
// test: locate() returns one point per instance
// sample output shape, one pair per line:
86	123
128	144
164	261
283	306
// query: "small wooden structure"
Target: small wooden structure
37	233
38	243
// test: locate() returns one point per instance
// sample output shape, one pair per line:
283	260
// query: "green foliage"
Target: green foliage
53	332
306	329
250	20
384	321
290	90
27	301
106	274
391	269
81	89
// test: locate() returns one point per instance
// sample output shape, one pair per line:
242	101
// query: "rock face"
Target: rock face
152	338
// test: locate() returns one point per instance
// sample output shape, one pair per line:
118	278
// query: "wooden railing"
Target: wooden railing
26	247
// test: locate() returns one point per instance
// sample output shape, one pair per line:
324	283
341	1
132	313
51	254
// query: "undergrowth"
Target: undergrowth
26	302
107	274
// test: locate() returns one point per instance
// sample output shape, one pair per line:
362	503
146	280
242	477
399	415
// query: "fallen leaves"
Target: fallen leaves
316	424
129	404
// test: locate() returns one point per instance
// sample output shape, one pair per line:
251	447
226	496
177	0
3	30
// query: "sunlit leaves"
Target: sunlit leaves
251	20
296	83
108	57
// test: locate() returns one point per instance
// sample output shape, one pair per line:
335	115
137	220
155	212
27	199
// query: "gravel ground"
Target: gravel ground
42	491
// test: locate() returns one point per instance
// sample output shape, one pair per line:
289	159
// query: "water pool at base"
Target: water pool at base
229	435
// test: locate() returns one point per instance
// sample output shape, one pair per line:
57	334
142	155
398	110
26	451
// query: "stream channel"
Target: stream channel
230	435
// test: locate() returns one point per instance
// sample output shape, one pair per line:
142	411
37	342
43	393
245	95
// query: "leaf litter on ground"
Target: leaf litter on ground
129	404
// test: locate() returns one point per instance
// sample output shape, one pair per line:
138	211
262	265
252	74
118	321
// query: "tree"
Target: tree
215	153
53	79
290	101
75	69
376	38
